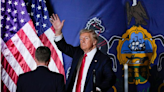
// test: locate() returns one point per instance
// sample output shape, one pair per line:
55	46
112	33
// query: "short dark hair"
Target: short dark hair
94	35
43	54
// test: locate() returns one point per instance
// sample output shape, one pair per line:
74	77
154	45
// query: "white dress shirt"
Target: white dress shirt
88	61
58	38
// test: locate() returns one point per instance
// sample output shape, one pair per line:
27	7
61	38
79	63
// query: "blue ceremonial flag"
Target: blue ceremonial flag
81	14
106	17
145	24
130	32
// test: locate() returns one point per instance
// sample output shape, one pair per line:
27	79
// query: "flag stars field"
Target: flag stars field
8	18
45	17
1	17
38	15
22	20
44	25
6	35
8	10
14	28
45	9
15	3
2	9
9	2
15	11
3	1
23	4
37	23
1	25
7	26
33	5
32	14
39	7
22	12
15	19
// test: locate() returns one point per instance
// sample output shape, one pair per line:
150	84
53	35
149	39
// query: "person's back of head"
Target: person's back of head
42	54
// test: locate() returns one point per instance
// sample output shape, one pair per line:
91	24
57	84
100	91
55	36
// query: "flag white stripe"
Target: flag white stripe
24	52
52	66
28	30
50	35
10	58
7	80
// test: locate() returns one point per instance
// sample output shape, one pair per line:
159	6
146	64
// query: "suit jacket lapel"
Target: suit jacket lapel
93	66
73	70
74	67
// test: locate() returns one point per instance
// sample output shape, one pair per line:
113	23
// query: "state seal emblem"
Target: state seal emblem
138	50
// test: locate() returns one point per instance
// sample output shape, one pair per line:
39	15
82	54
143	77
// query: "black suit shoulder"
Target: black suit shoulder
42	80
103	56
45	72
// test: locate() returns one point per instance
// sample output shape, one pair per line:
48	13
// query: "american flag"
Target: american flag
21	34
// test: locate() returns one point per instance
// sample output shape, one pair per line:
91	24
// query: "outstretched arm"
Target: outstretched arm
61	43
57	24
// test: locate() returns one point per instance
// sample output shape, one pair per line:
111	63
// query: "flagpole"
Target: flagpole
126	77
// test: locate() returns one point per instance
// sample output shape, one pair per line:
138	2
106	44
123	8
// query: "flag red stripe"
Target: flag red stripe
3	87
46	42
52	28
17	56
62	67
9	69
32	25
54	55
26	42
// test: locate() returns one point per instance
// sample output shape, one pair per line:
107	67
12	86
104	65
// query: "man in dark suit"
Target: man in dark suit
86	59
41	79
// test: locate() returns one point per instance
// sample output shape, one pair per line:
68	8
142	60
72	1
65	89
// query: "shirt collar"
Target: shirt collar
43	66
92	52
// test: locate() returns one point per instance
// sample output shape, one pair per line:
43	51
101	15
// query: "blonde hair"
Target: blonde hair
94	35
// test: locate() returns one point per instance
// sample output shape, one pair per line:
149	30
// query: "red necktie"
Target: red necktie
78	85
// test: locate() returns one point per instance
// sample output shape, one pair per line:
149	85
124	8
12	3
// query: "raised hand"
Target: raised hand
57	24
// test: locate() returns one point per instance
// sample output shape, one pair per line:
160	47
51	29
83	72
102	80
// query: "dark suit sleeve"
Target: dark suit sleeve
60	84
19	85
109	78
66	48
